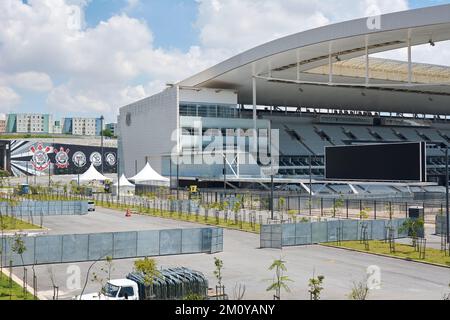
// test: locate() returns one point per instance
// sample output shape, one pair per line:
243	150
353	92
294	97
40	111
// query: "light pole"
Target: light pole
102	118
447	195
310	185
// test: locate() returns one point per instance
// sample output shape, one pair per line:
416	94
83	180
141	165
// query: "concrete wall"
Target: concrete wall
148	134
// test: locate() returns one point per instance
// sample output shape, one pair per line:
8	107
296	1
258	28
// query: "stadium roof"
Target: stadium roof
294	71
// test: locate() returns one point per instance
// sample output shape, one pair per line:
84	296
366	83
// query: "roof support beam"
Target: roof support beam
410	71
367	61
330	69
255	135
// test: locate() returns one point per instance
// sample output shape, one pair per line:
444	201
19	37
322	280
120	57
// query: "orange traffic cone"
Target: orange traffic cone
128	214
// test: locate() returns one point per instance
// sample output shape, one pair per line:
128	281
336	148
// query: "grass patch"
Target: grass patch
404	251
211	220
10	223
12	293
200	219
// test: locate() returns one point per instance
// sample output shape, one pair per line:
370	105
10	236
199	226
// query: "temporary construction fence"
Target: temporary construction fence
441	224
43	208
298	234
172	284
54	249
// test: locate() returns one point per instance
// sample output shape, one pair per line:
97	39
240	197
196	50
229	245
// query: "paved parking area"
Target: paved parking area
105	220
245	263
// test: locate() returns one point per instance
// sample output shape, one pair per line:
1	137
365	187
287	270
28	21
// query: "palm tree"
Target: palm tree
280	280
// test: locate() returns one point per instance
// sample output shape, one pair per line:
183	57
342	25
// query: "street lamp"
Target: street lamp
447	209
102	118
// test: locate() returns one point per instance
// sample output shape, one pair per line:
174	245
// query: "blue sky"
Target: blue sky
125	50
179	31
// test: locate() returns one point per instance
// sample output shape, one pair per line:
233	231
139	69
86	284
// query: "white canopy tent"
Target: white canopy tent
126	187
91	175
149	176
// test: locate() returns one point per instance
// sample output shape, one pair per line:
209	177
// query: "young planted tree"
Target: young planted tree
315	287
338	204
360	291
279	282
413	227
218	264
364	214
149	270
105	270
18	247
239	292
282	206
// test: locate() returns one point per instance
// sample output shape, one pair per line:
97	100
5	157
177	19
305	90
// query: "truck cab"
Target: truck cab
122	289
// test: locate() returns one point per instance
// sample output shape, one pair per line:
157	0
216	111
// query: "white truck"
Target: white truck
170	284
121	289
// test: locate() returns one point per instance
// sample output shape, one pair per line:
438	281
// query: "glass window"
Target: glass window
126	292
110	290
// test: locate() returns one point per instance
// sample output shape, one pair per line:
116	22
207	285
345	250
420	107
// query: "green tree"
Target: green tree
218	270
108	133
18	247
279	282
338	204
413	227
149	270
315	287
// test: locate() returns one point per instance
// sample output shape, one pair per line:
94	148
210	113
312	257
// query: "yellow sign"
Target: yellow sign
194	189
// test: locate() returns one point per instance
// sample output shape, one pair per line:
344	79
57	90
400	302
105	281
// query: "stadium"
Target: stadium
316	89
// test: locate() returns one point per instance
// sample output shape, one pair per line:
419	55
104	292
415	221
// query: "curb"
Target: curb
20	283
386	256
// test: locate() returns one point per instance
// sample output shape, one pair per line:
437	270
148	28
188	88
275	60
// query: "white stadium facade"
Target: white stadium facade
318	88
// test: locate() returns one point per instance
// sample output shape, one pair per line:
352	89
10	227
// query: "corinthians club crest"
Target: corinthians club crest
40	160
62	158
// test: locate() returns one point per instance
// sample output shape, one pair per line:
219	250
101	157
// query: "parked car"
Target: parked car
91	206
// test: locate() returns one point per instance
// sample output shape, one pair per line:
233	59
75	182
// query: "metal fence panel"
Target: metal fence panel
378	230
191	240
288	237
303	234
170	242
75	247
51	249
148	243
48	249
125	245
319	232
333	227
216	240
100	245
349	230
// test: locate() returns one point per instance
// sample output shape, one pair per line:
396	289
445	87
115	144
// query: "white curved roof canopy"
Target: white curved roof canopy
347	40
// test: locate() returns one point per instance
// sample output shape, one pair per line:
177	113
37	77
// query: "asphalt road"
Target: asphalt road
245	263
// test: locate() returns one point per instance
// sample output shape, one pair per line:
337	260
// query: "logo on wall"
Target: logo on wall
111	159
96	159
40	160
62	158
79	159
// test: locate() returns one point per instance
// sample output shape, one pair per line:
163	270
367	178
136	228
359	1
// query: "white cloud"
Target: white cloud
8	99
33	81
46	46
236	25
